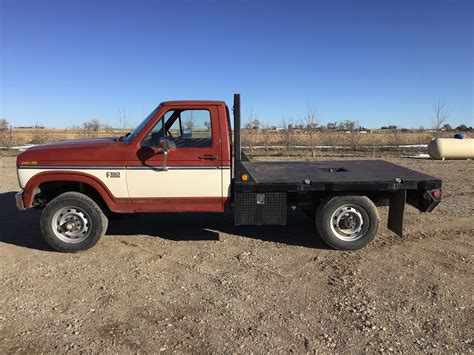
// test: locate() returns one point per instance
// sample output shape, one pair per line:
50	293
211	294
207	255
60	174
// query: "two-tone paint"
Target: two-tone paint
131	177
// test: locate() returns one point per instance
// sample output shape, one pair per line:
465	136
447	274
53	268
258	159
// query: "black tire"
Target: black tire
347	222
79	219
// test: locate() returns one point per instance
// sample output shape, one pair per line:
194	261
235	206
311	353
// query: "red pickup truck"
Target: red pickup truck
179	159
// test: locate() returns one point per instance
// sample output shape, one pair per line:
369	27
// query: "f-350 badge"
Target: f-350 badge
112	174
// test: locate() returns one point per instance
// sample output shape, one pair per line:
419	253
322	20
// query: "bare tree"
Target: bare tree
288	130
250	131
267	132
332	129
107	127
397	137
252	121
4	124
123	118
39	135
189	123
441	114
6	137
464	128
92	127
332	125
353	129
310	125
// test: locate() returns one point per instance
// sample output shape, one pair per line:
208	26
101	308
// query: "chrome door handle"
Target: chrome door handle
208	157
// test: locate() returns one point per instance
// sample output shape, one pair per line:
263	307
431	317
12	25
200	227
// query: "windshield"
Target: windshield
140	127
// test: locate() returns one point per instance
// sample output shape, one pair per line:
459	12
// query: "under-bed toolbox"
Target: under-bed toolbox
260	208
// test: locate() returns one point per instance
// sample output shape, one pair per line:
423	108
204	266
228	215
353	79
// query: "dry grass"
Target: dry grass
328	138
336	143
262	142
259	137
22	136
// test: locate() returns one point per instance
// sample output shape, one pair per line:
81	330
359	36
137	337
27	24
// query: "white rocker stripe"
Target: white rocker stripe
111	167
152	181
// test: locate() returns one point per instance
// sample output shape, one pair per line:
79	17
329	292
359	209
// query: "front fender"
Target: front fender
31	187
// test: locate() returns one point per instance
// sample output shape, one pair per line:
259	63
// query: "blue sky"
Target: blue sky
376	62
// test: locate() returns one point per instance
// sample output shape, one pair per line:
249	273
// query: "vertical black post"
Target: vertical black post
237	151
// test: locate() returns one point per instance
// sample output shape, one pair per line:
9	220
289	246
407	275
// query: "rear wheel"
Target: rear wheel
73	222
347	222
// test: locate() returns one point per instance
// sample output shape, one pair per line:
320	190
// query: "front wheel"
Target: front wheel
73	222
347	222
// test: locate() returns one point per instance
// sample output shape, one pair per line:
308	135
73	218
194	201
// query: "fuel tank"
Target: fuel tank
451	148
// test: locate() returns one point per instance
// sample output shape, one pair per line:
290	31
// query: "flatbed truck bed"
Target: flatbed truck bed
333	175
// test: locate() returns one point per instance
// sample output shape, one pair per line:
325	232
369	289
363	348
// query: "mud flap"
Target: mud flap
396	211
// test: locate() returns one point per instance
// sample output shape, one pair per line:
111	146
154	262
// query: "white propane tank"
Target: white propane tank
451	148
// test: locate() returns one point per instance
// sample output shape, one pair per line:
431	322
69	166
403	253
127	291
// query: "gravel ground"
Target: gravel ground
196	283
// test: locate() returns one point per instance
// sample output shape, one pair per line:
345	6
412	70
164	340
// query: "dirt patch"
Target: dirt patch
196	283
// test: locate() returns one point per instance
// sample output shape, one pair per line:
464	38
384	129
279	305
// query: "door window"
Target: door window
187	128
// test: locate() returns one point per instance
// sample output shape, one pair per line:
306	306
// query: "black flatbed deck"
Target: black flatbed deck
335	175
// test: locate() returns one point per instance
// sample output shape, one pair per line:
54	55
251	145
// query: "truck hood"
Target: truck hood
74	152
74	144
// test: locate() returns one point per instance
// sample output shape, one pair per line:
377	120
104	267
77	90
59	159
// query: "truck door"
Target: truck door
187	178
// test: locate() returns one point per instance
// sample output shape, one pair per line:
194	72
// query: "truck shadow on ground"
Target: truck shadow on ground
22	228
300	230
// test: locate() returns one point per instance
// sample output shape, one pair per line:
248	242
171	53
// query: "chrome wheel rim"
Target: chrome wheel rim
348	222
71	224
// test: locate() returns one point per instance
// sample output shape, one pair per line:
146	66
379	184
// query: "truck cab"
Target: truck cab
177	160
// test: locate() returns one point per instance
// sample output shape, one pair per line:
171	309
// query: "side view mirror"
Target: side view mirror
167	145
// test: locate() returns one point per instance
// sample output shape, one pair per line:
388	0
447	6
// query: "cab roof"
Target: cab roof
193	102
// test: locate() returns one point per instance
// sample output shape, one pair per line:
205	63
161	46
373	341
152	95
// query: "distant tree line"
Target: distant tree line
464	128
445	127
